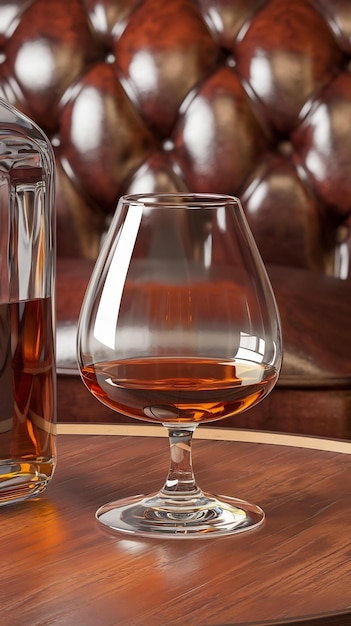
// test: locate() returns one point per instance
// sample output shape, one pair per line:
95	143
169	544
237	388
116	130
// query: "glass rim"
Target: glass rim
180	199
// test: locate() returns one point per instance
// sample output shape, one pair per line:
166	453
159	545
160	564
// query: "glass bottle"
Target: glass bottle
27	333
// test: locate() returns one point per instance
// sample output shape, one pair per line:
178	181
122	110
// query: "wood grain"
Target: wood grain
59	567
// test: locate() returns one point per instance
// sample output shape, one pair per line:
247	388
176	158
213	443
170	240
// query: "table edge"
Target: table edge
217	434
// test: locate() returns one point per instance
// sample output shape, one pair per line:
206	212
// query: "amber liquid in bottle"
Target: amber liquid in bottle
27	398
179	390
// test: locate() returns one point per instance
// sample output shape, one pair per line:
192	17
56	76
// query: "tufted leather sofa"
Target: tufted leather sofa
245	97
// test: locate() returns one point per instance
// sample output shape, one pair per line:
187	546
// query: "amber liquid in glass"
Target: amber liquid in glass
179	390
27	398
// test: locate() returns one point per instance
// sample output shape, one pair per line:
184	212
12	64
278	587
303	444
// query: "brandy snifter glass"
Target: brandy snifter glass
179	327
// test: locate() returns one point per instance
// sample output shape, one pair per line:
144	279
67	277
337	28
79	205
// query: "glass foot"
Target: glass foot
194	518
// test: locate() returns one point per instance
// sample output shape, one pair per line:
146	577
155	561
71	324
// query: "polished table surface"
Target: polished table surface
60	567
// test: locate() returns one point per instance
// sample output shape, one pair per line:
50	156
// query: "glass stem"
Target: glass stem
180	480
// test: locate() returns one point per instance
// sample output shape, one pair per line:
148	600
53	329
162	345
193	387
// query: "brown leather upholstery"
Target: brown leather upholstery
245	97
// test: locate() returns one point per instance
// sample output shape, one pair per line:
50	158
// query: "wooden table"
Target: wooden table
59	567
